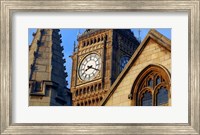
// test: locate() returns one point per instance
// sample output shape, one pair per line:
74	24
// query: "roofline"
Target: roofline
157	37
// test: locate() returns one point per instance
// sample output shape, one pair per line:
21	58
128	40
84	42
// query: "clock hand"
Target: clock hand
88	67
94	68
85	70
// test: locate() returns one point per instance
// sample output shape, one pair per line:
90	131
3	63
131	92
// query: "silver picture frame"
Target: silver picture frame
8	7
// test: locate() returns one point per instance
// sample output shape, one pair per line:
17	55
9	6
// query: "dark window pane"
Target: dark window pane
88	90
150	83
95	88
80	92
147	99
84	91
91	89
158	80
162	96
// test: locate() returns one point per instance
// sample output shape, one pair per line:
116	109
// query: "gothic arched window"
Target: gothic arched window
162	96
146	99
88	43
84	44
89	102
93	101
80	93
152	87
101	37
95	87
88	89
99	87
91	89
91	41
85	103
84	91
77	93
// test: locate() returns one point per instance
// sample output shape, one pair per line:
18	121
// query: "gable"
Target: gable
155	49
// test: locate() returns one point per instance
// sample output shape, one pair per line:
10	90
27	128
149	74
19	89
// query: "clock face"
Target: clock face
90	67
123	61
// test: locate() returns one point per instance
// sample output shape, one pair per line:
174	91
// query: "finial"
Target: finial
78	33
74	46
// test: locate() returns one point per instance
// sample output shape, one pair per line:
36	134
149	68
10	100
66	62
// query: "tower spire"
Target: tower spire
47	70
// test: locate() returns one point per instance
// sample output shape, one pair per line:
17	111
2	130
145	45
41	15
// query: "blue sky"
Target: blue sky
70	35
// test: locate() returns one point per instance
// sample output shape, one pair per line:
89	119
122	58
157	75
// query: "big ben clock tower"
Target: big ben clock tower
100	56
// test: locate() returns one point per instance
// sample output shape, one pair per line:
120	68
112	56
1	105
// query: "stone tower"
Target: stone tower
47	76
100	56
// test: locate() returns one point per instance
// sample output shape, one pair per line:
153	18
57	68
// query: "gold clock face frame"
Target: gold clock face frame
89	67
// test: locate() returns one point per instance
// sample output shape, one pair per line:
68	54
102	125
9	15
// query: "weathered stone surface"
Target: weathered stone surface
42	55
153	53
110	45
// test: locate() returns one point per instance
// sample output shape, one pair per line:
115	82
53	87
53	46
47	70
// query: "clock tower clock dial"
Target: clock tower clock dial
90	67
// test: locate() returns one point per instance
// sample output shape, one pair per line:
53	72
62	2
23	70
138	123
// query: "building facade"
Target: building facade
47	83
146	79
109	68
100	56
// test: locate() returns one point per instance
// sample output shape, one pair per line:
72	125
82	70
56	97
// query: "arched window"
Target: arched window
77	93
150	82
99	87
91	89
88	89
83	43
162	96
95	87
97	100
85	103
91	41
158	80
84	91
152	87
89	102
80	93
88	43
93	101
106	37
101	37
146	99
